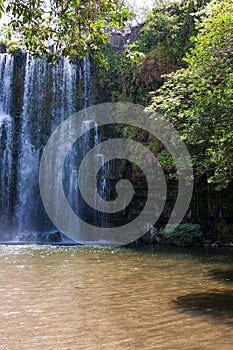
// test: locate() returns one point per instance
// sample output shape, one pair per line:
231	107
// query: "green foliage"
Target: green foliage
14	48
158	50
2	7
71	28
121	81
171	26
183	235
3	41
160	26
198	99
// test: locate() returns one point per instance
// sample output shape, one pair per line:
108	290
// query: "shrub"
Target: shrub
14	48
183	235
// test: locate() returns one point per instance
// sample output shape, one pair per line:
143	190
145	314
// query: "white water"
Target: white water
50	96
6	142
34	90
44	87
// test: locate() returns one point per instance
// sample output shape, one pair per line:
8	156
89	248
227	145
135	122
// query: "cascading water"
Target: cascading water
6	71
49	96
79	150
65	80
98	217
6	144
29	141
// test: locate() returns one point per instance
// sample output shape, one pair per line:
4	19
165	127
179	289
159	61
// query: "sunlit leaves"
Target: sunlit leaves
199	98
72	28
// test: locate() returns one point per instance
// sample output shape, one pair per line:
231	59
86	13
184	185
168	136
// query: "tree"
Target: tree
52	28
160	44
198	99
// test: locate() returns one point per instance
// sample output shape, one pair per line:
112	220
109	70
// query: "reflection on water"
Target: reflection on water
70	298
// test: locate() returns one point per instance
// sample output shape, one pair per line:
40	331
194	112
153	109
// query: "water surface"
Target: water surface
70	298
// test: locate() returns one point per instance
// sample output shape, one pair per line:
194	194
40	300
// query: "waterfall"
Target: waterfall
64	103
86	82
6	71
28	160
63	94
89	140
6	144
50	95
49	98
80	148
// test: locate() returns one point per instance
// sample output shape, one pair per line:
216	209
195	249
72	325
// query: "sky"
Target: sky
140	3
139	7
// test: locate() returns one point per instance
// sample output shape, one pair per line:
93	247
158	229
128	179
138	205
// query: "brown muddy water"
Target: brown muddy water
68	298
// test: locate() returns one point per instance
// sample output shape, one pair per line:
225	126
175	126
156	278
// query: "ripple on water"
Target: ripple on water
92	298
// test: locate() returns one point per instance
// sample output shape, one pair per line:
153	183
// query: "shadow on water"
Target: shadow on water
216	304
224	275
213	304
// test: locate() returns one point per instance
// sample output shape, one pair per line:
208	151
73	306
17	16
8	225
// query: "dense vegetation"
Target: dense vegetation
52	28
162	42
198	99
181	66
183	235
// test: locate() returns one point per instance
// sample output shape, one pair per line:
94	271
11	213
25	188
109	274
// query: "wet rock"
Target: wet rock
151	236
31	238
54	237
118	40
2	48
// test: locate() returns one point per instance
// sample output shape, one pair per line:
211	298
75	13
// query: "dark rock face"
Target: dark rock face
151	237
54	237
119	40
2	48
18	85
220	230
